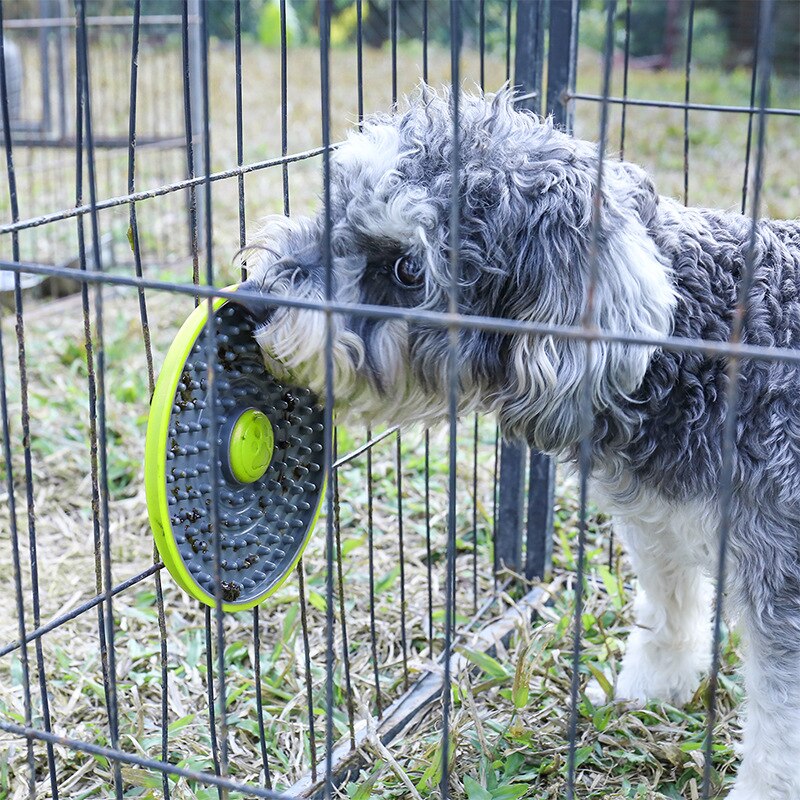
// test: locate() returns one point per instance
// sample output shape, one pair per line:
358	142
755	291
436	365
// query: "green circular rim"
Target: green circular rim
155	463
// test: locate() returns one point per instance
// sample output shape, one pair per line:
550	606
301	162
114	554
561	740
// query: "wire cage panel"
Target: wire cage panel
143	153
122	198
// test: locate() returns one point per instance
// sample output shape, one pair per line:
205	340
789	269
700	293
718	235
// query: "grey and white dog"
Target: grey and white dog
526	193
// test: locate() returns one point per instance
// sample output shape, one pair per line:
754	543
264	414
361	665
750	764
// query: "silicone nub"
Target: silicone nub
250	446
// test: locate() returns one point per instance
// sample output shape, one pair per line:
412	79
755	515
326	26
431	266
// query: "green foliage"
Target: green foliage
220	14
269	24
648	31
710	43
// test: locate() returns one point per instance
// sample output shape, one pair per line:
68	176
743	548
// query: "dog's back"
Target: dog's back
681	405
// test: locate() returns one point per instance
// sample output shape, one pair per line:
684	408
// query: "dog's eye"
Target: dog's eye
408	274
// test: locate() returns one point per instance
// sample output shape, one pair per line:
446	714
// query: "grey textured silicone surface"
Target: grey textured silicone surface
262	524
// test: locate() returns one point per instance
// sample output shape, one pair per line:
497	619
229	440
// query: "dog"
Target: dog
532	248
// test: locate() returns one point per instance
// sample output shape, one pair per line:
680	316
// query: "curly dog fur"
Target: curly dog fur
526	253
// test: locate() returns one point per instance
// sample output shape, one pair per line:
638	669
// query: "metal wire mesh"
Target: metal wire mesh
440	601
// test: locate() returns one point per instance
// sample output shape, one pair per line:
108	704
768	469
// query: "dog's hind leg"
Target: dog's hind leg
669	649
768	584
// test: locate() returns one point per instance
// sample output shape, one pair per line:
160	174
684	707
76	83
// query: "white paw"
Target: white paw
652	672
637	685
596	693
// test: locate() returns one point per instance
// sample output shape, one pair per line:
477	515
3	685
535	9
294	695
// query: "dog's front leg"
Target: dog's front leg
669	648
770	584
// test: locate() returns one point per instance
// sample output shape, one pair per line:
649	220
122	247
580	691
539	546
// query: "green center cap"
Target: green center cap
250	447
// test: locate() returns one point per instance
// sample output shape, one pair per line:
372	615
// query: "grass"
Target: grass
510	715
64	535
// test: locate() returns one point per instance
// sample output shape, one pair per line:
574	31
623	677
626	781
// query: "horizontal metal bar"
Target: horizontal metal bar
622	101
81	609
353	454
139	761
24	125
118	21
436	318
147	194
521	98
101	142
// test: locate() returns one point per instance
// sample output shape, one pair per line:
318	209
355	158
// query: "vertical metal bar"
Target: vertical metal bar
455	247
482	42
12	508
764	67
528	62
325	11
428	549
624	118
561	67
623	128
508	40
561	61
401	554
191	54
237	55
301	581
14	535
44	66
83	73
425	40
541	498
428	553
527	55
371	566
188	124
342	615
211	359
262	739
393	38
132	218
312	736
284	108
496	491
212	714
584	459
26	438
475	440
686	98
91	380
61	71
476	428
749	144
237	33
360	60
510	508
137	257
197	111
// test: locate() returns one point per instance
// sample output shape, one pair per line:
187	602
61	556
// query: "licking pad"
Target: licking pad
269	468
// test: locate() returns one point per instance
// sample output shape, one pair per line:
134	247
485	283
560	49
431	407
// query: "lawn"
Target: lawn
510	718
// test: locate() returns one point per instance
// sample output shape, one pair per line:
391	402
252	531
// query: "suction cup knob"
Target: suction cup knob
250	443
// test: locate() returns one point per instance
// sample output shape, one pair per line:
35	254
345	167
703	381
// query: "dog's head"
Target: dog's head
525	241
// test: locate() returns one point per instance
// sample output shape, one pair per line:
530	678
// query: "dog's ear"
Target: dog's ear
627	290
